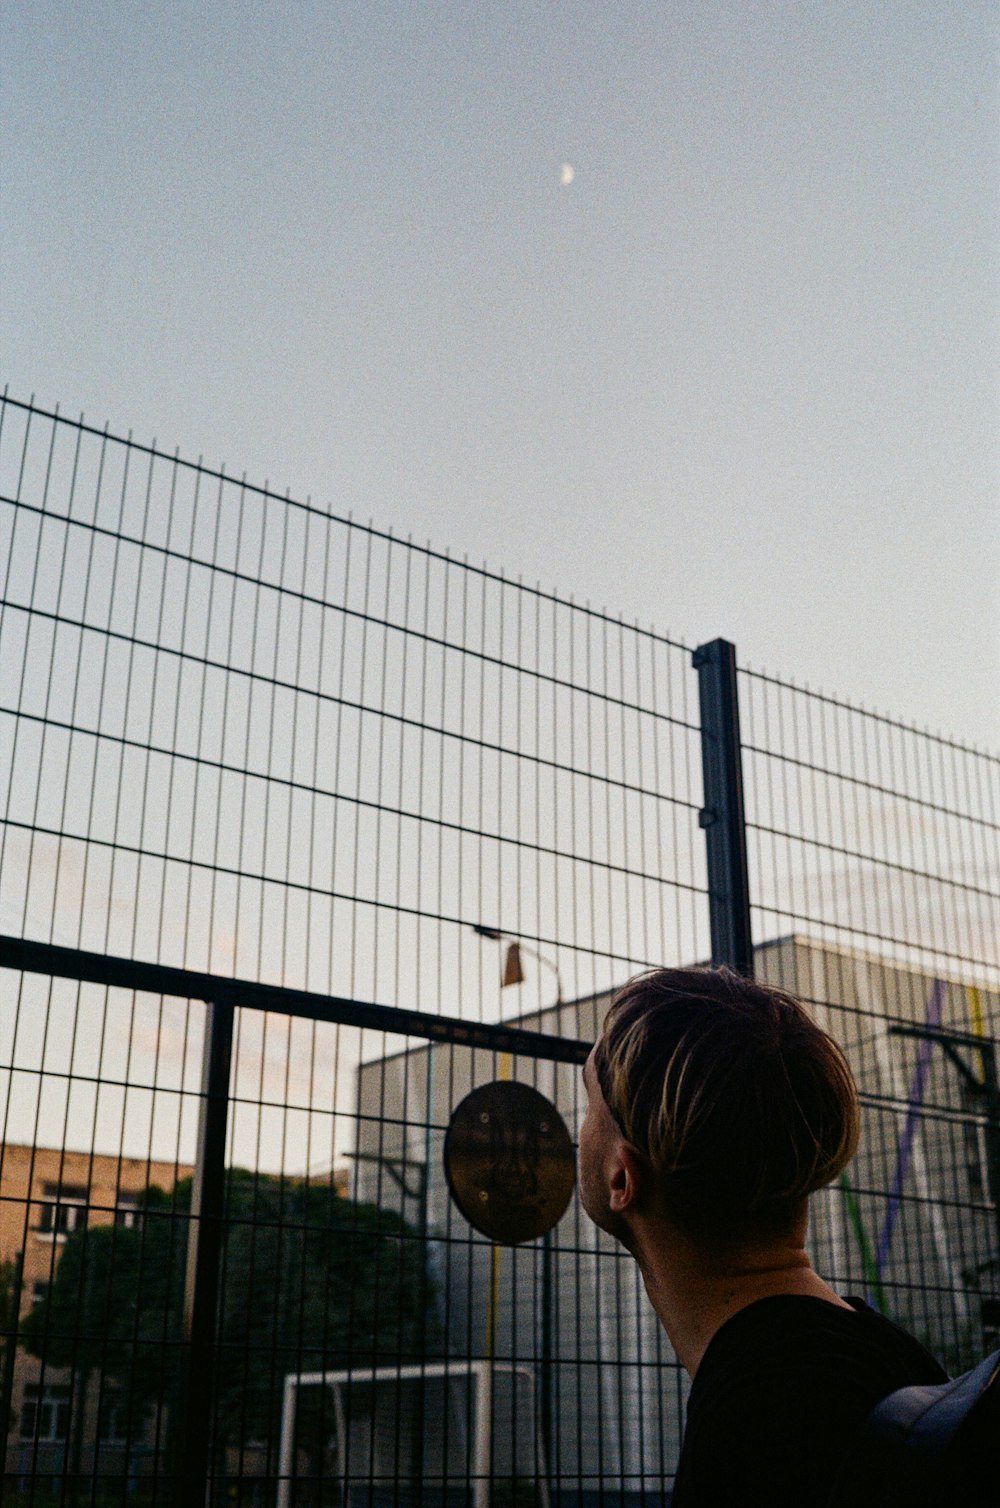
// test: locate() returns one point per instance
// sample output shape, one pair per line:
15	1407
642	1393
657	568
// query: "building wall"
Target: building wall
912	1228
45	1192
917	1193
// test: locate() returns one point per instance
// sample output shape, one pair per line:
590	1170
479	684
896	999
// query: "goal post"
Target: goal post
497	1436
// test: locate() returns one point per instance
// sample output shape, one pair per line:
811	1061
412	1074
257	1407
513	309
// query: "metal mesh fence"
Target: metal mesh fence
246	736
243	738
874	852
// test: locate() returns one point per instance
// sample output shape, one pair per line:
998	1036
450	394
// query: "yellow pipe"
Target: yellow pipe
506	1070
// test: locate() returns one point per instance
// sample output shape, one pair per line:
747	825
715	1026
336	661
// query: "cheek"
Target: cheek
586	1131
590	1182
586	1146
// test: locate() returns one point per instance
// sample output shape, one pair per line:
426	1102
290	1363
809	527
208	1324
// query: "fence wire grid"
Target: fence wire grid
241	737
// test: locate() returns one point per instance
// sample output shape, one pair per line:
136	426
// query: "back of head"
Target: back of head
740	1103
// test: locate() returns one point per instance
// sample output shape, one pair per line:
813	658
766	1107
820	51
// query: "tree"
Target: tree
114	1307
8	1318
310	1281
10	1289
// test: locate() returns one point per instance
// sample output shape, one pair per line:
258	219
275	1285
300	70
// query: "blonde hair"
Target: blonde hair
741	1104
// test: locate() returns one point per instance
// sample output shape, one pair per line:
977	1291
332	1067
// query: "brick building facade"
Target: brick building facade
46	1194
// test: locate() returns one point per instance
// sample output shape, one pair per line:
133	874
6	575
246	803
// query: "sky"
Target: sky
691	311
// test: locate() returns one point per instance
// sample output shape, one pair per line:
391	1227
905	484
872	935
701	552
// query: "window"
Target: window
45	1413
112	1426
62	1210
127	1211
39	1293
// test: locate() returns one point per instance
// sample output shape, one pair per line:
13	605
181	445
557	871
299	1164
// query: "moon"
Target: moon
566	174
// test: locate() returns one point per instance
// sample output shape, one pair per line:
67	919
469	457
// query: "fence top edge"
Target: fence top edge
860	710
445	557
427	550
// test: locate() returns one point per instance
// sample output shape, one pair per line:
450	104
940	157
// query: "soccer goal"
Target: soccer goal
467	1430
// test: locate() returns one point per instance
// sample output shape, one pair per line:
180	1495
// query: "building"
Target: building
914	1225
45	1194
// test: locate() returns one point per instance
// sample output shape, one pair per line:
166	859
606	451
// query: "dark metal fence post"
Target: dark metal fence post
723	816
201	1287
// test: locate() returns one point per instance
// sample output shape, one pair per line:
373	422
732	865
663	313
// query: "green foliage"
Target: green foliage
312	1281
309	1281
8	1274
8	1318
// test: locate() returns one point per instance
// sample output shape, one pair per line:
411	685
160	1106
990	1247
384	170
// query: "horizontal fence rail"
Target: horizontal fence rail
159	979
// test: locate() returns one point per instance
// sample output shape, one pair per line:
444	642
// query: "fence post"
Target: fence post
201	1285
722	816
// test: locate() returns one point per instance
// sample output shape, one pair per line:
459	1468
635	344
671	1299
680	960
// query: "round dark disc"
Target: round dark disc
509	1162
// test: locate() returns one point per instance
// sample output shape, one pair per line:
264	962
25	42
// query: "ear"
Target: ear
626	1176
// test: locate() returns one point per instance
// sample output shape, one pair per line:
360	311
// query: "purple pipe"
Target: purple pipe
905	1150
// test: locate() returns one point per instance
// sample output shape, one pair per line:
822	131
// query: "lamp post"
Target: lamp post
512	973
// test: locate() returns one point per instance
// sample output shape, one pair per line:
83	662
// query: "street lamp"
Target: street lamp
512	972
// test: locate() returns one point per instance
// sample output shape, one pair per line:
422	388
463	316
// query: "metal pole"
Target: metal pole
286	1454
723	817
482	1490
547	1327
201	1288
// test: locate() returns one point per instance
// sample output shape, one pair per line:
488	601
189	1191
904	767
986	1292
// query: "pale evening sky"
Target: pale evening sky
690	310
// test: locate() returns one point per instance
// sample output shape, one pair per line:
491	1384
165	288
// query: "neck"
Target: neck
696	1286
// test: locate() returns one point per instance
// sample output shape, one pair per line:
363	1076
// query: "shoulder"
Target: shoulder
795	1335
782	1390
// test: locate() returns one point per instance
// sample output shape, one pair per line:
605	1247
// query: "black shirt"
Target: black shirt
778	1402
